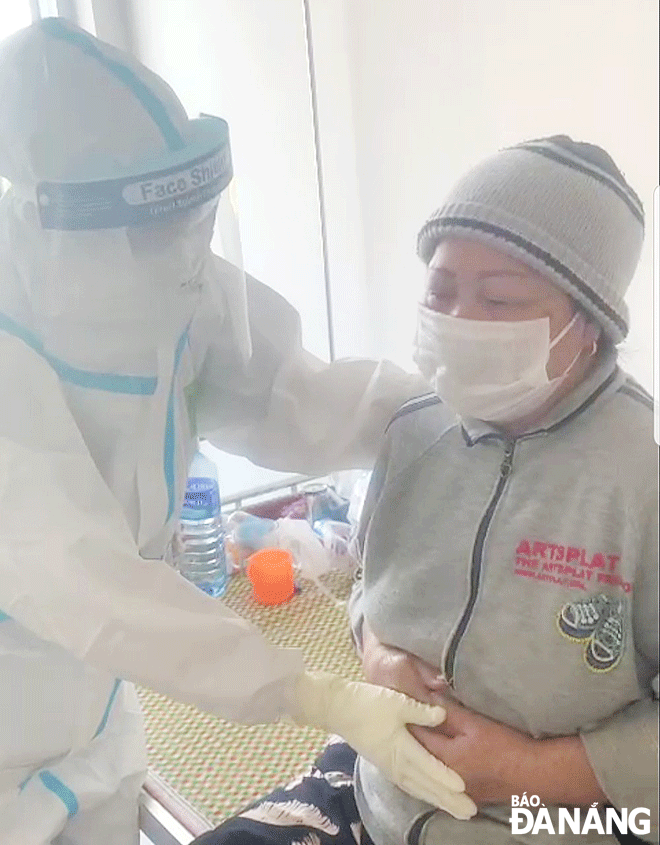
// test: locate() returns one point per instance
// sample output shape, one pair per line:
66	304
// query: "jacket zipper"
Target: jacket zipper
475	567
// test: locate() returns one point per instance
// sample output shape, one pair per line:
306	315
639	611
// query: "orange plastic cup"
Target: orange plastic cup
271	574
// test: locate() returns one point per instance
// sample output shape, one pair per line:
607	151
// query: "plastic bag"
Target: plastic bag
311	559
336	538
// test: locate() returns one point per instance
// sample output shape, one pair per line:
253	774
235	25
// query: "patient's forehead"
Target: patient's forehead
464	258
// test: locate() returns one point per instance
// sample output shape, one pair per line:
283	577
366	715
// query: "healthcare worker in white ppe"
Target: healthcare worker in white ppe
118	329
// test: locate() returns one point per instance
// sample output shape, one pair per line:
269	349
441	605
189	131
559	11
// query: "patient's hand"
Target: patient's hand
399	670
494	760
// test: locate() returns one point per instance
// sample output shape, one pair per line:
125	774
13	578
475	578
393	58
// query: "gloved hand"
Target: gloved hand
373	721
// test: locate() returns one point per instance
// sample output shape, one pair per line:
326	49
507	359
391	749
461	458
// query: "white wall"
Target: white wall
436	85
14	17
353	328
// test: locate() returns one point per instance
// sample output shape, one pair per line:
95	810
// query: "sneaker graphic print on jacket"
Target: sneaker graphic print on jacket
598	622
605	646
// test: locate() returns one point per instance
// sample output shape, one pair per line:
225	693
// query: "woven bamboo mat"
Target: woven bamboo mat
219	767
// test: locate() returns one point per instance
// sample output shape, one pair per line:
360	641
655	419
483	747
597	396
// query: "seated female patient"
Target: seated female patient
509	537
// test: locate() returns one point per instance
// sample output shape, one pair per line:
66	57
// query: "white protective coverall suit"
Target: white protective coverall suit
114	336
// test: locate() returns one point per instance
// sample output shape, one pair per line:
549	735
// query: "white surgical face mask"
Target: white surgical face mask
493	371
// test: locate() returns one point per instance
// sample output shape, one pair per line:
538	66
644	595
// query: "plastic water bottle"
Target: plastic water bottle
201	556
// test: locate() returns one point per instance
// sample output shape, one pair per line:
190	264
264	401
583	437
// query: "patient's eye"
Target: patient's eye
506	290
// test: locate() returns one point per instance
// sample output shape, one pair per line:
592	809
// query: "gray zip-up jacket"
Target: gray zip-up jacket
526	570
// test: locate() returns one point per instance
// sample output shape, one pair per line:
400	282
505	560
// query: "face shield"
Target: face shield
164	204
128	256
116	200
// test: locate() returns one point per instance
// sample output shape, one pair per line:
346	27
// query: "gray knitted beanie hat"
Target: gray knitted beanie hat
561	207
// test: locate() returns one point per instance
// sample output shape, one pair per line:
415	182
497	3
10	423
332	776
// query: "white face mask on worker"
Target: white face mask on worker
493	371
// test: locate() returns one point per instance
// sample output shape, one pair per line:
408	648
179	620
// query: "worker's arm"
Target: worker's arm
70	570
285	408
70	573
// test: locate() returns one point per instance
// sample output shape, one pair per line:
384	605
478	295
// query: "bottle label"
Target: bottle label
202	499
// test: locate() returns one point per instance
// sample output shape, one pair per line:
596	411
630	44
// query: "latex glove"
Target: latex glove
373	721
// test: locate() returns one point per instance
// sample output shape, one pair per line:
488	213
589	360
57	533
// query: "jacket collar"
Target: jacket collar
605	378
